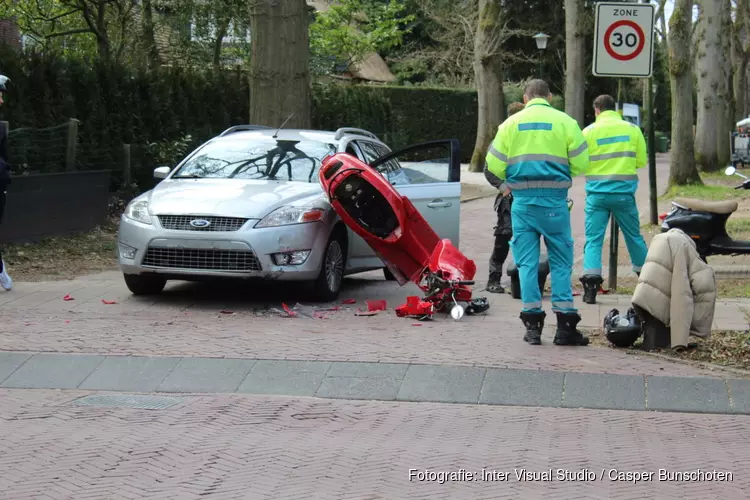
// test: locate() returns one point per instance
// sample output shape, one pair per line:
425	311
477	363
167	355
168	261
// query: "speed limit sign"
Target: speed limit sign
624	40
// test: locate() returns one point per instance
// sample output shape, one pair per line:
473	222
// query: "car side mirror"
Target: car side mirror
162	172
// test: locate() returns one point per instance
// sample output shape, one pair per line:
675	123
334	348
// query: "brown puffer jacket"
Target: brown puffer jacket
677	287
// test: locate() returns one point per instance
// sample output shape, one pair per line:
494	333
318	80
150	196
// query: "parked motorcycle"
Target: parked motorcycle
705	222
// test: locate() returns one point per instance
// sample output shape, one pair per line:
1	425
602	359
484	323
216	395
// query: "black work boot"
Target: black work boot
493	284
566	333
534	322
591	284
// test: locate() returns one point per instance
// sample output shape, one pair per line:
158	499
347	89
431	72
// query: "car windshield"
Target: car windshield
257	158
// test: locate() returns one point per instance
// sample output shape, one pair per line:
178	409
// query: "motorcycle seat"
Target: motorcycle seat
714	207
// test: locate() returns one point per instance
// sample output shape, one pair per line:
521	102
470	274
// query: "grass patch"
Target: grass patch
738	228
725	288
63	257
709	192
724	348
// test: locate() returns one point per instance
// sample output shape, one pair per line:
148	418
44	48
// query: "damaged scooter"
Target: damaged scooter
372	207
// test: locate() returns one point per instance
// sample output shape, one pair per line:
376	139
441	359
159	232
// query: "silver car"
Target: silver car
249	204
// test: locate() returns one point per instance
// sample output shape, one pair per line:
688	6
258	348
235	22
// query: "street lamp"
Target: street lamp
541	44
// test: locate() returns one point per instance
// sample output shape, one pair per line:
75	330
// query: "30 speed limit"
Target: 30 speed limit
623	45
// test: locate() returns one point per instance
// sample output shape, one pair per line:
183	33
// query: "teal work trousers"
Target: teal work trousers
625	211
530	223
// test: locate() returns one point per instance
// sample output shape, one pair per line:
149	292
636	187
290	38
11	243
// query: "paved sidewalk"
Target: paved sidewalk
56	445
374	381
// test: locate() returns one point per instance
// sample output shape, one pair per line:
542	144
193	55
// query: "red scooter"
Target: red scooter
369	205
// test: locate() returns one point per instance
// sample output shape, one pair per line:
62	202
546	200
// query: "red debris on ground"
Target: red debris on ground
415	307
288	310
68	297
349	301
109	302
376	305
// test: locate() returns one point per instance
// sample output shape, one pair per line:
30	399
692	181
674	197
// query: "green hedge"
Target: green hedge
117	105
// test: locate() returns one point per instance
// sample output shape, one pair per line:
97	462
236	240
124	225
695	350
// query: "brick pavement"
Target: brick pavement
272	447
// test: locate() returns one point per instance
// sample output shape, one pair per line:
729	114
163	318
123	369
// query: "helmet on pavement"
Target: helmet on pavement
622	330
3	83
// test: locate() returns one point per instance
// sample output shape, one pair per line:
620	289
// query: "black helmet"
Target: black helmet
3	83
622	331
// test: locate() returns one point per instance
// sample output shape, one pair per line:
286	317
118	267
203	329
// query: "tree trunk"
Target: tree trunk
488	75
102	33
149	40
740	59
709	69
682	169
279	66
221	32
575	75
725	94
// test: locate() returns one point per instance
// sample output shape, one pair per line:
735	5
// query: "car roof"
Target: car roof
250	131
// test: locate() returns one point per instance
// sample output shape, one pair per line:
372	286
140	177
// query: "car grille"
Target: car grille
182	223
203	259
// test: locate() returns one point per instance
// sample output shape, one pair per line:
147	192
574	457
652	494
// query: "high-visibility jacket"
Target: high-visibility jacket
617	149
537	152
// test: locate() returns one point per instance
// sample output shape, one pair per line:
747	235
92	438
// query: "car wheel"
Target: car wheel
388	274
326	288
144	284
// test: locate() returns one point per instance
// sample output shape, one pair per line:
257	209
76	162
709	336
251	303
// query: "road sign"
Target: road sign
624	40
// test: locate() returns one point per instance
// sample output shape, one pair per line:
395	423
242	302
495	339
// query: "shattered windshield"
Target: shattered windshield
257	158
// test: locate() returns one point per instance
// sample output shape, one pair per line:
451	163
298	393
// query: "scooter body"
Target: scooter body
705	222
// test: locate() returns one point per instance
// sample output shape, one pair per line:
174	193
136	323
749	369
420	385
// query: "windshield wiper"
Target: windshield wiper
187	176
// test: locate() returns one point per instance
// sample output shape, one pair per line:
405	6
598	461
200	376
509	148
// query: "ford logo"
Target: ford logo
200	223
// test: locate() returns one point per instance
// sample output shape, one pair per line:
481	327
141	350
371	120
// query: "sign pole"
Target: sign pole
624	48
652	153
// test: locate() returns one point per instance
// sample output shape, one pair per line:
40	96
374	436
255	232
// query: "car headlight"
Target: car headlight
291	215
138	211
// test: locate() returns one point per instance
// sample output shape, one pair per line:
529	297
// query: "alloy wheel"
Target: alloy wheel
334	266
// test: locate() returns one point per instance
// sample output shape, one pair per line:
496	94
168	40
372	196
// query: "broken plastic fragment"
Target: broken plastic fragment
68	297
360	312
288	310
416	324
109	302
349	301
226	311
376	305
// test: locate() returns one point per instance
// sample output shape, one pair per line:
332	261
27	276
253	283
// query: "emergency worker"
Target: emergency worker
537	152
504	227
617	149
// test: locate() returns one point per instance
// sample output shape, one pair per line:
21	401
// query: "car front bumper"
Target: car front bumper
245	253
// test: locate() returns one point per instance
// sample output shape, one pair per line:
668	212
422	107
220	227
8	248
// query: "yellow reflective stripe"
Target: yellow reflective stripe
537	157
615	177
580	149
540	185
610	156
497	154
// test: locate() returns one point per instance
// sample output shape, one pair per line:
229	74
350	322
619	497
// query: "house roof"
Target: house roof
372	67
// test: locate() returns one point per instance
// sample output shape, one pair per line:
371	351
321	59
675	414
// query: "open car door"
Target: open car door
429	175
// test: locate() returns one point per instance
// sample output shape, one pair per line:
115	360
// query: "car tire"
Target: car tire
327	286
144	284
388	274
